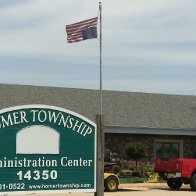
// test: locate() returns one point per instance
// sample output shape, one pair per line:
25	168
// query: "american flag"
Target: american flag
83	30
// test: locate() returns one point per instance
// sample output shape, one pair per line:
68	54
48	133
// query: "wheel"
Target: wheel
115	169
111	184
193	182
174	183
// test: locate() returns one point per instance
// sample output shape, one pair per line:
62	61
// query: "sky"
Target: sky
148	45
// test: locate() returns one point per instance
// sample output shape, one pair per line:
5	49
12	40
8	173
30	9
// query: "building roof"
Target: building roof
121	109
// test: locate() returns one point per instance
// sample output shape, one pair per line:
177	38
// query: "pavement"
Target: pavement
133	189
136	189
143	185
148	186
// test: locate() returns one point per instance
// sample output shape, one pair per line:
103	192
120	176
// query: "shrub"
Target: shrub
135	151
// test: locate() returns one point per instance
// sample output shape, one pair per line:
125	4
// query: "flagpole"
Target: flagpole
100	58
100	127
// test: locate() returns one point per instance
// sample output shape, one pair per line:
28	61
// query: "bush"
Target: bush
135	151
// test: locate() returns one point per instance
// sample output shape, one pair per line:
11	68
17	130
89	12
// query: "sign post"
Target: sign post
100	155
46	149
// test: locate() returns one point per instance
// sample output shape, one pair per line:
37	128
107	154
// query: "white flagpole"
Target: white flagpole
100	41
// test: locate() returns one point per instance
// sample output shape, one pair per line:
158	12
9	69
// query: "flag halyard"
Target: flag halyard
83	30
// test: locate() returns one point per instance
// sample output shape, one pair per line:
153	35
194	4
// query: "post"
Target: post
100	125
100	156
100	57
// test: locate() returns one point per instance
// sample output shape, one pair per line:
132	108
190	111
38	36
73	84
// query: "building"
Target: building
165	123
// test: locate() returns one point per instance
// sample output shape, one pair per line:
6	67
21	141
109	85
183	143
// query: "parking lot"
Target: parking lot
146	192
141	189
134	192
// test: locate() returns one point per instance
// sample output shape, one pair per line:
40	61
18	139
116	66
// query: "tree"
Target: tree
135	151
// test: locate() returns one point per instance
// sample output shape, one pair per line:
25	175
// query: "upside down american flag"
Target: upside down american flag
83	30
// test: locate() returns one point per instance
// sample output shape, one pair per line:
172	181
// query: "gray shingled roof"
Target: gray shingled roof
123	109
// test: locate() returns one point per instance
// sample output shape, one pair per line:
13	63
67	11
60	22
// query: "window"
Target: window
168	148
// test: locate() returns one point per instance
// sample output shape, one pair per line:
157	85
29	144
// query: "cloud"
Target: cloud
136	33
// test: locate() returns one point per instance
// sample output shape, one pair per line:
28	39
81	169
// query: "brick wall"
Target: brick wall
117	142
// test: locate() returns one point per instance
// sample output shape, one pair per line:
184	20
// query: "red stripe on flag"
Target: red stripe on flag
74	31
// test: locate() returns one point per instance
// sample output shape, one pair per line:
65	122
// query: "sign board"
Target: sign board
46	149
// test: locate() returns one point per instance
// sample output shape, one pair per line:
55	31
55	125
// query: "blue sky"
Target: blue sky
148	45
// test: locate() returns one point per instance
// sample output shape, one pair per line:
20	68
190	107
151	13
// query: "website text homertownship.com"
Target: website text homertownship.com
59	186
